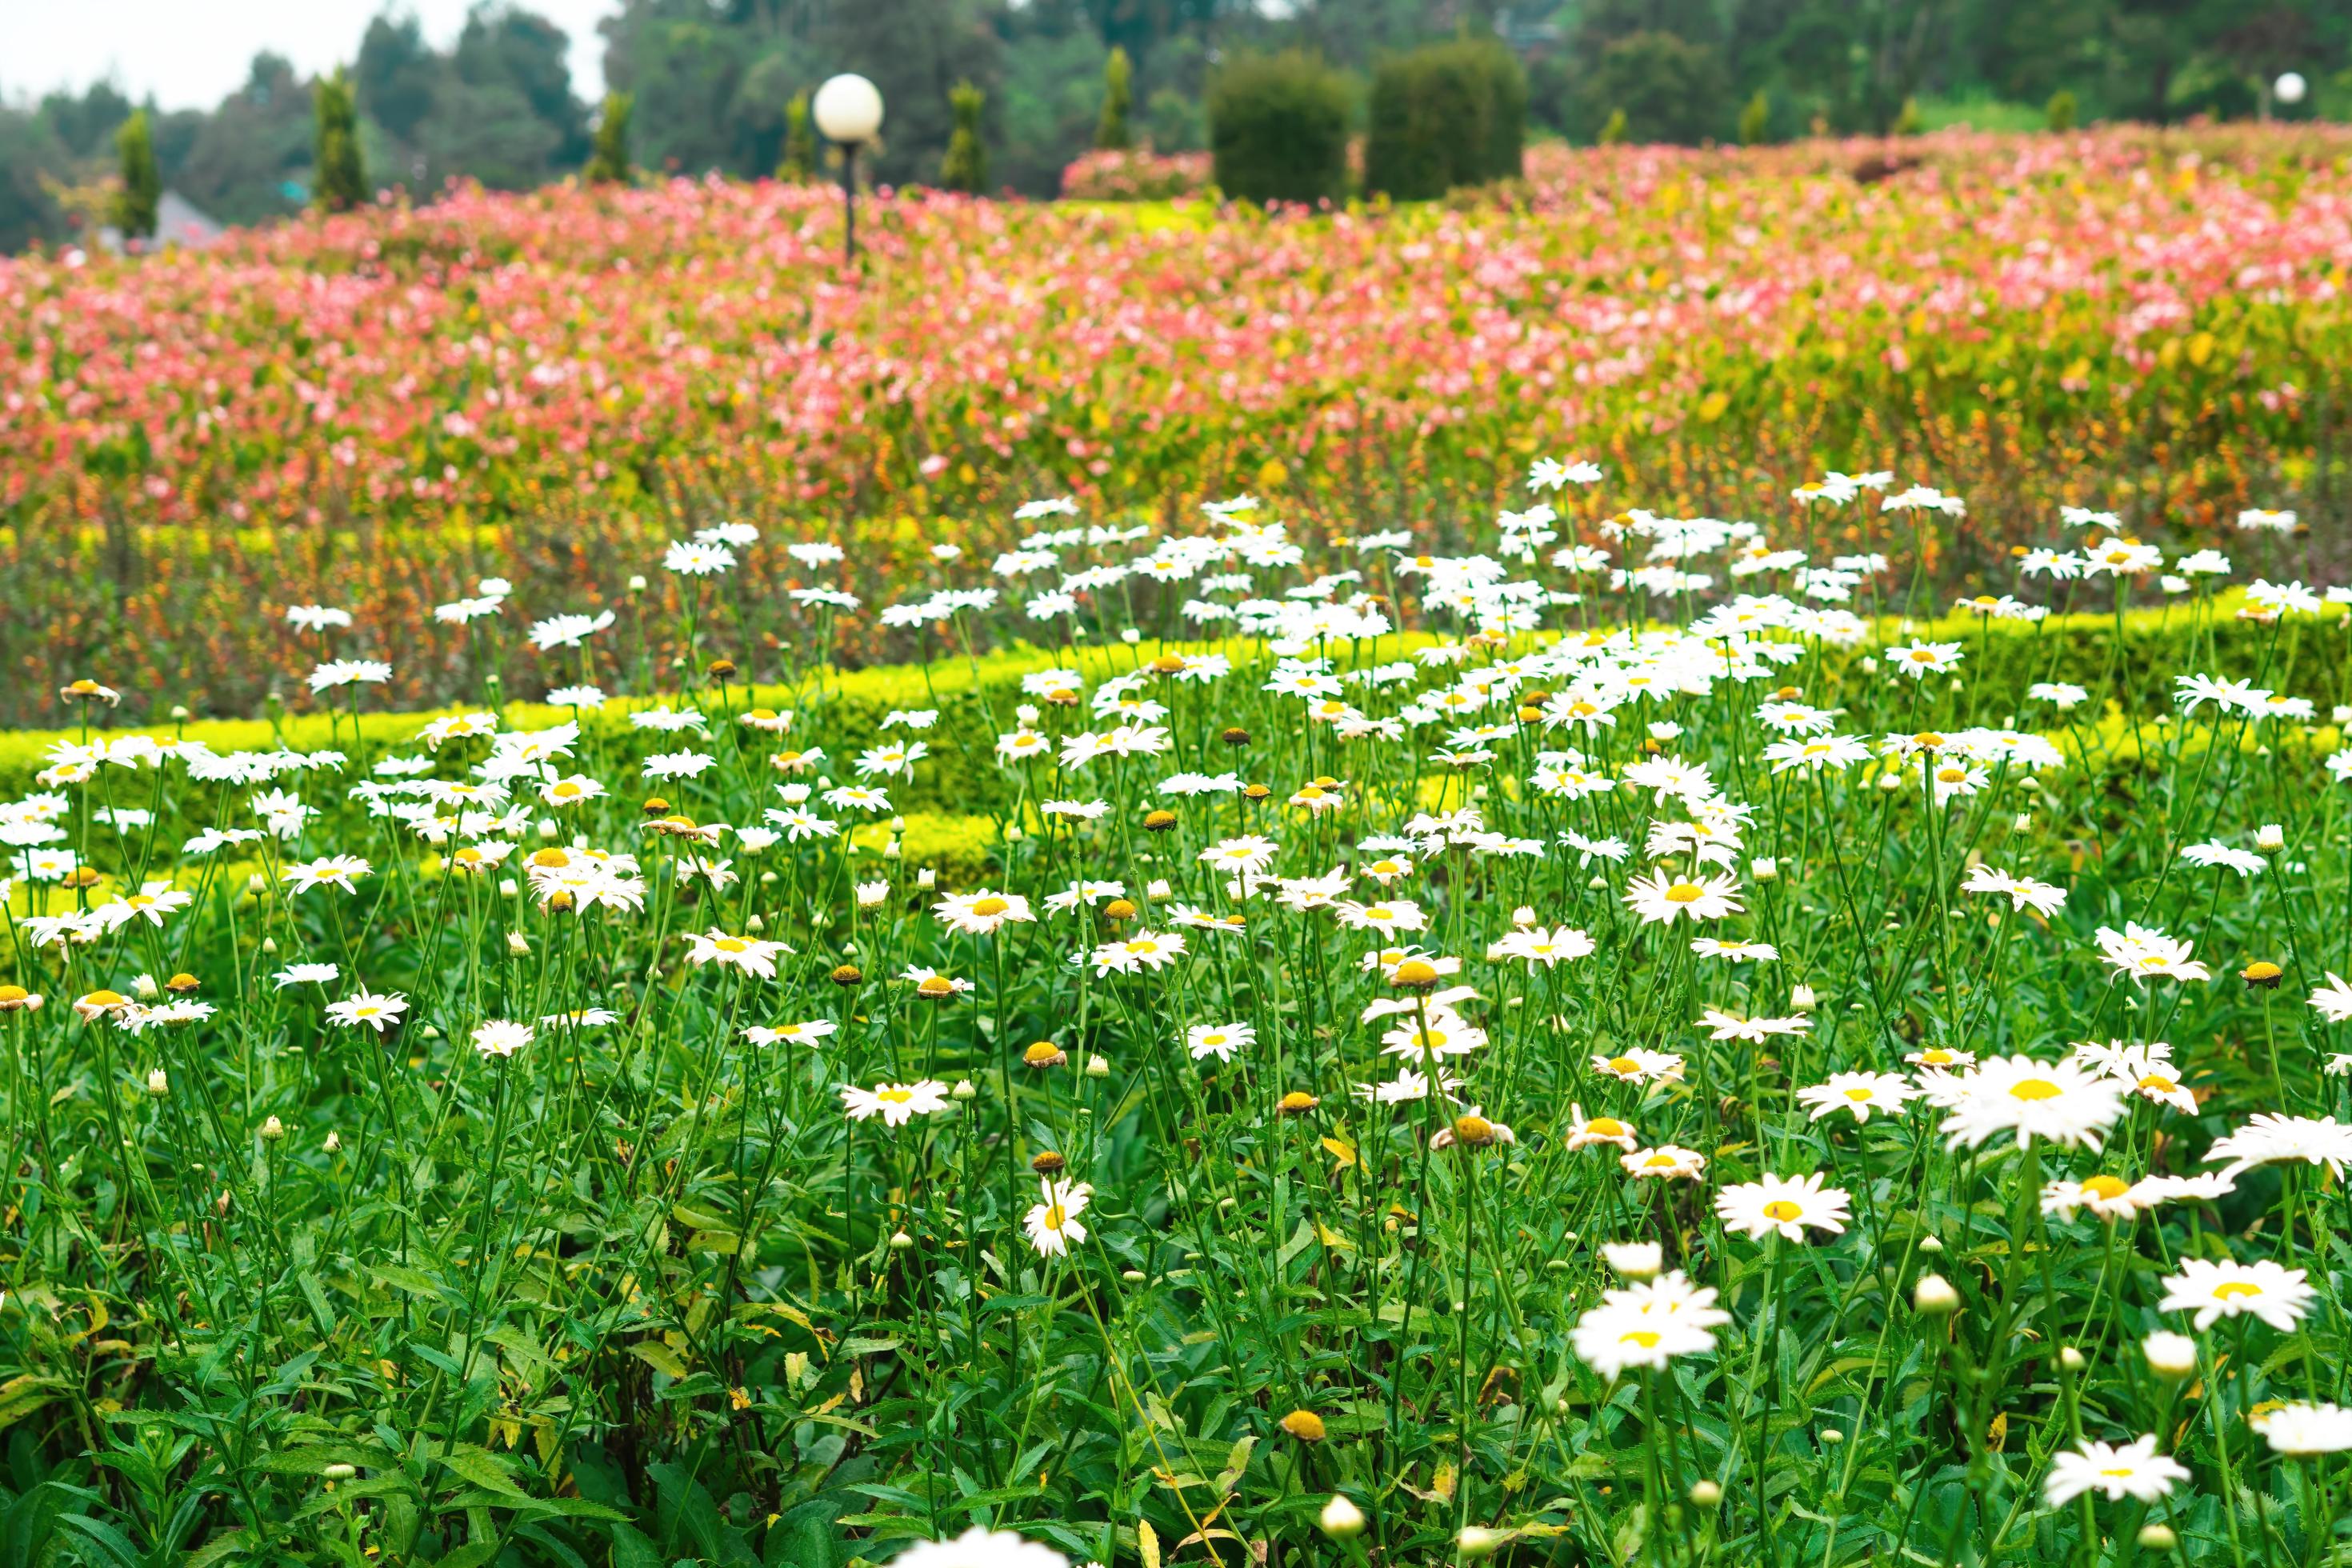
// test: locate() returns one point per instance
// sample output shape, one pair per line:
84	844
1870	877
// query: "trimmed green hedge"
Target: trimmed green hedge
1445	115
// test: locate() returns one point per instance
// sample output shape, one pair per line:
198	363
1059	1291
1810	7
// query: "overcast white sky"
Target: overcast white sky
190	54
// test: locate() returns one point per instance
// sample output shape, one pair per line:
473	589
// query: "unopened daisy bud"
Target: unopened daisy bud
1304	1426
2341	714
1801	996
1705	1494
180	712
2157	1538
2270	838
1522	917
964	1090
1477	1540
890	851
1340	1519
1833	1437
2262	973
637	582
1890	782
1596	882
159	1083
1634	1259
255	882
272	1130
1931	1244
144	987
1764	869
2071	1359
340	1472
1131	637
506	887
1013	834
871	894
927	879
334	1142
1131	1276
518	943
1097	1067
797	795
2170	1356
1934	1297
901	1242
1156	888
547	830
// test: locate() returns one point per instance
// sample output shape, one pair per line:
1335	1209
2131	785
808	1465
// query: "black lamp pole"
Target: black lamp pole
849	201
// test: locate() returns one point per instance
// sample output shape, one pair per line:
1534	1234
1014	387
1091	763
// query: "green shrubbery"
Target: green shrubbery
1278	128
1449	114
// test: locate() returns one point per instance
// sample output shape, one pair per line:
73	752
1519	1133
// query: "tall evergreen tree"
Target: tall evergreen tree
965	166
142	183
339	179
608	163
1119	96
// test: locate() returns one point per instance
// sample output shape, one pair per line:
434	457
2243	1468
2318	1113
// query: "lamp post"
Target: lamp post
848	111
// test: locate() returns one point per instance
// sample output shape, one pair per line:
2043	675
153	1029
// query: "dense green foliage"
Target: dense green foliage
1278	129
1444	115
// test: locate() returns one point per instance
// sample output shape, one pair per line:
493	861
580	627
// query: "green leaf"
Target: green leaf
483	1469
658	1356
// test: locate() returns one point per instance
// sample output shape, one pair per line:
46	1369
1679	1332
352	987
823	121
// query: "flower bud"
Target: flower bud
1097	1067
340	1472
927	879
1764	869
2270	838
1934	1297
1156	888
272	1130
518	943
159	1083
334	1142
2071	1359
1477	1540
144	987
1801	996
963	1090
1634	1259
1341	1519
1931	1244
2170	1356
901	1242
2157	1538
1705	1494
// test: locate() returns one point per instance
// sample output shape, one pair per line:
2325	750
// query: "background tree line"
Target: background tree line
711	83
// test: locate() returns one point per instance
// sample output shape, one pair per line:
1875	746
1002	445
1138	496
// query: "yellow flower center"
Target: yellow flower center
1605	1127
1624	1065
731	944
1782	1209
987	907
2034	1088
1685	893
1857	1095
2235	1288
2106	1188
1645	1337
894	1095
